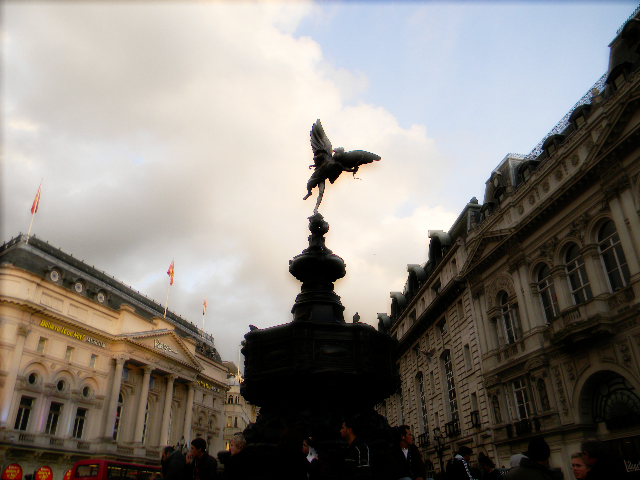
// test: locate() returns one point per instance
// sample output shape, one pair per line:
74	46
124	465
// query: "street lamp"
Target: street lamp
439	443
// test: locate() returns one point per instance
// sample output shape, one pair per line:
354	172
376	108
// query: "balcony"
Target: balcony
452	429
474	418
423	440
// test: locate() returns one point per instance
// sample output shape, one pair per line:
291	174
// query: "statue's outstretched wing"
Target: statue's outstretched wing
355	158
319	141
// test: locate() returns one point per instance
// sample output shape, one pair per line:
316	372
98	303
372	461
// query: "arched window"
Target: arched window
119	411
509	319
547	293
577	275
522	399
615	263
146	420
615	402
450	385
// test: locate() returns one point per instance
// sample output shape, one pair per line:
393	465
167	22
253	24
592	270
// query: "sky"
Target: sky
180	131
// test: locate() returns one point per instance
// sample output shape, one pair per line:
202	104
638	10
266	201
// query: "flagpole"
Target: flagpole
34	209
166	302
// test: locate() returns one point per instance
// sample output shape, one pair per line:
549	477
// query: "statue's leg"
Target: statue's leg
320	193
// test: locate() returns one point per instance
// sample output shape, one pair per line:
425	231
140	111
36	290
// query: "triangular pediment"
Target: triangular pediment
167	344
623	129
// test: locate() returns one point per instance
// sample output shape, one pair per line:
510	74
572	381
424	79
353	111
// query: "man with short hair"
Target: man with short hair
458	468
533	465
601	467
200	465
357	457
403	458
172	463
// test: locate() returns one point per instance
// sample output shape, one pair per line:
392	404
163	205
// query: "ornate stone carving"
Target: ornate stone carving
532	199
582	363
548	247
503	282
23	330
570	371
621	297
579	226
545	187
559	175
618	186
508	217
559	384
490	382
590	145
575	160
520	209
625	353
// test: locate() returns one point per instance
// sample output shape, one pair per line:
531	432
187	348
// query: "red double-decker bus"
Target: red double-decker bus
101	469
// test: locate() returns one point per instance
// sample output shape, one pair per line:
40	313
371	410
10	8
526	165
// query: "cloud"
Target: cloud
173	131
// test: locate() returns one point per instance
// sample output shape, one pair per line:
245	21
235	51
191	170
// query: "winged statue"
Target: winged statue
329	163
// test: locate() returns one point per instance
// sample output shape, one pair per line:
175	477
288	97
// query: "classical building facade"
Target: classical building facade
525	319
91	368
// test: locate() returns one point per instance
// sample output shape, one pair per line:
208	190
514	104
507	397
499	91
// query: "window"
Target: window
451	388
467	358
41	344
454	267
92	362
460	311
432	382
548	295
226	445
522	399
32	378
495	404
61	385
437	287
68	354
52	419
615	263
24	411
152	382
235	422
78	425
423	402
442	327
146	422
509	319
229	420
86	391
125	375
119	409
577	275
89	470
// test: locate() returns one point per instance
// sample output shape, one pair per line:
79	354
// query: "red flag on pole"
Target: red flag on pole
36	201
170	273
204	309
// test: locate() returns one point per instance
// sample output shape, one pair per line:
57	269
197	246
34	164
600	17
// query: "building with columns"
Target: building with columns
525	320
90	368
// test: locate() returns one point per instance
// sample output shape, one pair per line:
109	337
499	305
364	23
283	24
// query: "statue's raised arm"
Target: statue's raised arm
329	163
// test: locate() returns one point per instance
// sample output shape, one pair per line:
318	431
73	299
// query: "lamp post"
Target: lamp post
439	443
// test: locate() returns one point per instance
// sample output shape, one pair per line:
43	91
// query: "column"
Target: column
142	404
561	286
113	398
593	266
189	413
523	311
625	237
168	398
482	334
626	198
523	271
12	376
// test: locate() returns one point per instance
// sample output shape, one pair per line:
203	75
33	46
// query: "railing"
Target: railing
123	450
523	427
423	440
452	429
475	418
27	438
84	445
56	442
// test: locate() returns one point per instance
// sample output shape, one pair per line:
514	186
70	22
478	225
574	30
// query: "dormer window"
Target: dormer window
552	143
580	121
437	287
618	75
579	115
551	149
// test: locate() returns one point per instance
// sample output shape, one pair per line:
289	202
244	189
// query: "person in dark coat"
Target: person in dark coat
173	463
403	458
237	467
458	468
601	467
489	468
357	461
200	465
533	466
